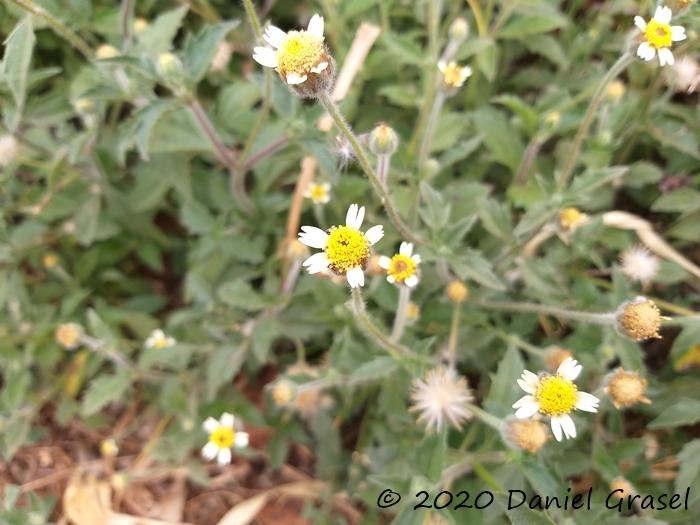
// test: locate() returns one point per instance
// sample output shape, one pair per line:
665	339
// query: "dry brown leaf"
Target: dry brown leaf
245	512
86	500
128	519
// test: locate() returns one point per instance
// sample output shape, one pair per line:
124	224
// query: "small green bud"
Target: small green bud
172	72
459	30
383	140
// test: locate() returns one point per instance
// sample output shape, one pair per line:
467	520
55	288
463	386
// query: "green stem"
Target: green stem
127	17
481	26
225	156
427	140
266	151
401	311
383	164
573	315
484	416
371	330
454	336
58	26
571	159
260	121
364	162
253	19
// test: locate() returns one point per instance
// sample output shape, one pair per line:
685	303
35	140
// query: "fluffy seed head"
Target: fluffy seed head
639	264
440	398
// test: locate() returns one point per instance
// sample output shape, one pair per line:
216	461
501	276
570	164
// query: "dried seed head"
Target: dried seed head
555	356
639	319
625	388
69	335
525	434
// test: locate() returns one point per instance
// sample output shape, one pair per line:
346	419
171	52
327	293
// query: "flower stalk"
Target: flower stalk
606	319
401	313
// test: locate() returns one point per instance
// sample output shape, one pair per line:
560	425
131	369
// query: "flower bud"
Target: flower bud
625	388
69	335
383	140
639	319
140	25
459	30
172	72
615	90
9	149
282	393
109	448
49	260
457	291
525	434
412	311
571	218
105	51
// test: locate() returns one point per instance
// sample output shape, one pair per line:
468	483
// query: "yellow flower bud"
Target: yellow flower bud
49	260
105	51
571	218
615	90
383	140
69	335
459	30
457	291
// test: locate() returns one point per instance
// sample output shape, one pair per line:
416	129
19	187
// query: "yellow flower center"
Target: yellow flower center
570	218
658	35
223	437
401	267
452	75
318	193
160	342
300	52
346	248
555	395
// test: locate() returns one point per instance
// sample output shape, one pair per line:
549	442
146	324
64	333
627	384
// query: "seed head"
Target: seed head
639	319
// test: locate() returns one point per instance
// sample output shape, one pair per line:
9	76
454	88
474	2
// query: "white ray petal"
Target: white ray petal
677	33
569	369
527	410
210	450
313	237
567	425
384	262
525	400
210	425
351	215
645	51
411	280
556	428
640	23
241	440
227	420
406	248
374	234
416	258
666	57
317	263
663	14
320	67
315	26
265	56
224	456
587	402
294	79
390	279
355	277
274	36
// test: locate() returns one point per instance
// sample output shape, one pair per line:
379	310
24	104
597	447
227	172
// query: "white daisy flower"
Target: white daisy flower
658	36
159	340
441	397
345	248
453	75
402	268
298	56
639	264
318	193
222	436
555	396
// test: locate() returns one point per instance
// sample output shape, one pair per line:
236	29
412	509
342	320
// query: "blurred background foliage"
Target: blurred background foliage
117	214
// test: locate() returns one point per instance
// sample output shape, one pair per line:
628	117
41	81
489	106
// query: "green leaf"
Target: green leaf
103	390
504	389
689	461
240	294
495	218
474	266
201	49
527	25
487	59
19	47
377	368
87	219
500	138
403	49
682	200
157	37
684	412
222	366
436	213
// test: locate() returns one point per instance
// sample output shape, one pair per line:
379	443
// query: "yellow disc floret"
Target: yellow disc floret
223	437
401	267
300	52
555	395
452	75
658	35
346	248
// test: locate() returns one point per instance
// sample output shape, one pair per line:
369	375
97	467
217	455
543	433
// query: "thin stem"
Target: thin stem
571	159
454	336
253	19
224	154
484	416
573	315
481	26
58	26
427	140
371	330
401	311
262	117
127	15
265	151
363	160
383	164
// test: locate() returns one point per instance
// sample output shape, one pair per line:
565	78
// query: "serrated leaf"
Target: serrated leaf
201	49
157	37
375	369
500	138
104	390
532	24
222	366
689	461
436	212
473	266
504	389
241	295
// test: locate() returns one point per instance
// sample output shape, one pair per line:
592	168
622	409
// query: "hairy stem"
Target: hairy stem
253	19
427	141
401	311
573	315
364	162
59	27
454	336
572	157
